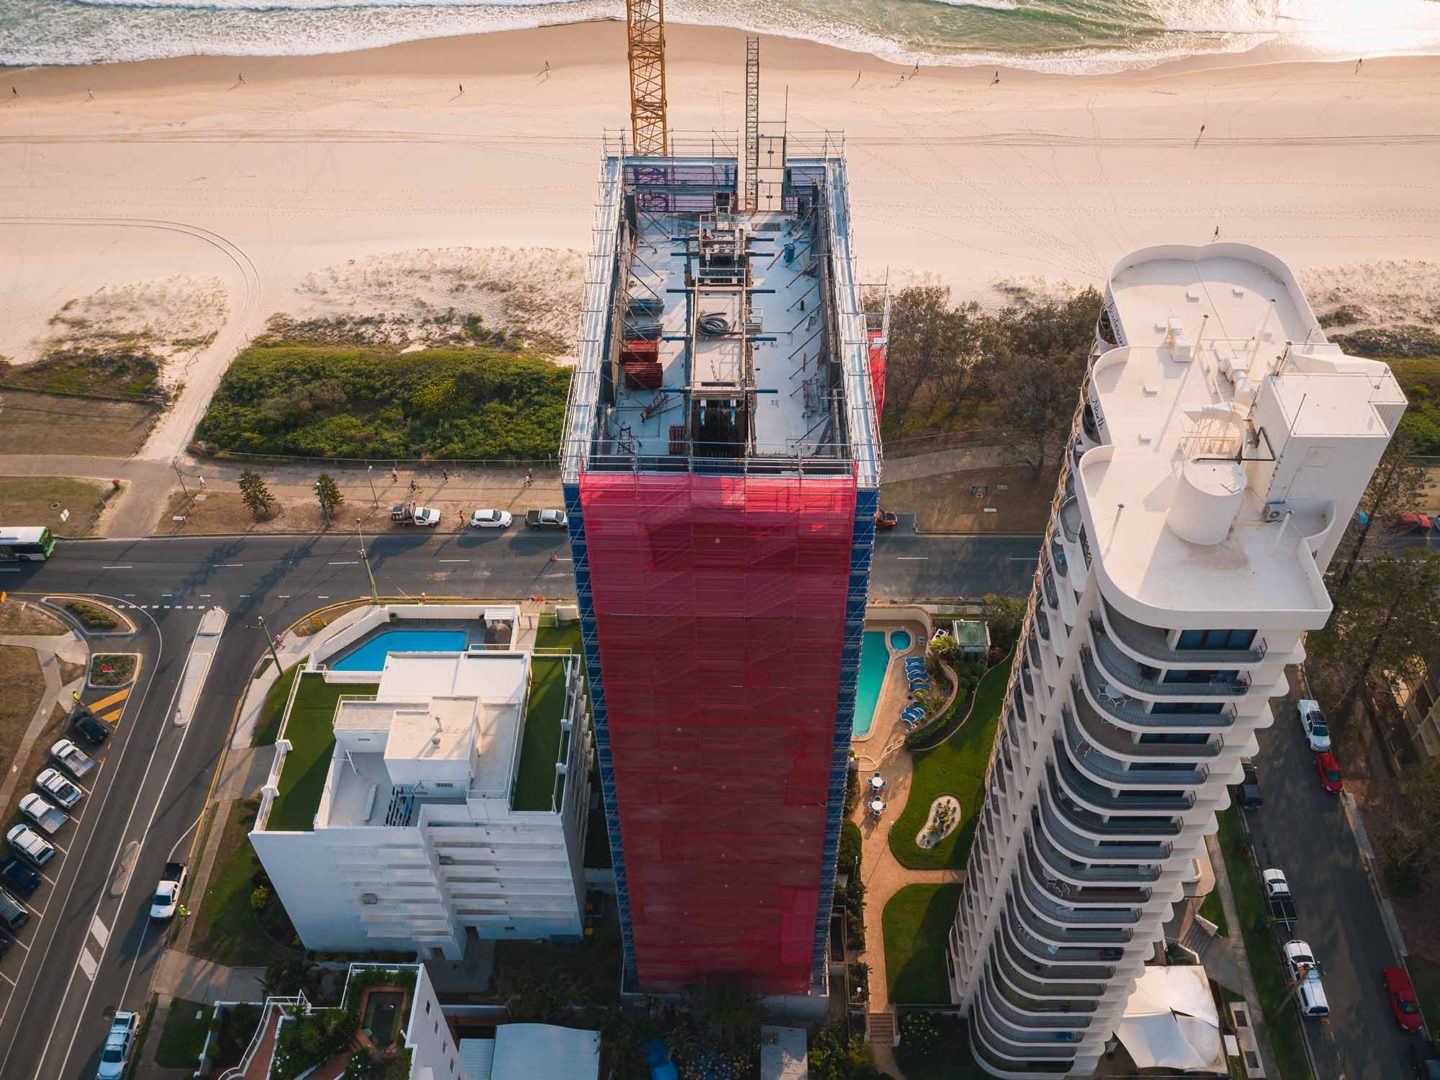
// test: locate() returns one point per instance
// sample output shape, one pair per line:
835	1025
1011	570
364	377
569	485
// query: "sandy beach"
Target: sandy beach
351	182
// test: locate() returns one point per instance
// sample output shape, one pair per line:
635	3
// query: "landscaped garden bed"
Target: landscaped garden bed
94	617
113	669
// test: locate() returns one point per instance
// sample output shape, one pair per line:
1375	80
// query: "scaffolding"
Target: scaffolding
752	121
645	23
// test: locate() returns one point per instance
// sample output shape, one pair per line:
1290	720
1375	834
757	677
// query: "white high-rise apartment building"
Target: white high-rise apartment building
1221	445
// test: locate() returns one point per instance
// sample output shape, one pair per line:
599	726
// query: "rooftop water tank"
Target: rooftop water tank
1207	498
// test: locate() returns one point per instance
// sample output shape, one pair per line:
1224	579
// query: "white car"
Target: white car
119	1042
55	784
426	515
39	810
1304	969
490	519
29	843
1312	721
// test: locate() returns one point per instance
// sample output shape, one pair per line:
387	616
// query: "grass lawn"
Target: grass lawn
24	684
311	733
558	637
535	779
1281	1018
73	425
267	727
1211	909
949	1060
1425	974
226	929
26	500
122	373
183	1036
955	767
916	922
18	617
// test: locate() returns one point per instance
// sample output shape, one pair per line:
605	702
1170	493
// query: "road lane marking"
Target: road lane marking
100	930
286	595
17	941
88	963
322	598
355	563
119	695
454	560
912	558
563	558
229	564
58	848
127	566
129	594
7	979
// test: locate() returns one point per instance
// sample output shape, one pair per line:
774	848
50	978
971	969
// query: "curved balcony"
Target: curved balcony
1100	731
1058	932
1102	800
1099	827
1025	678
1070	522
1014	1061
1058	868
1061	961
1079	846
1127	712
1105	333
1152	643
1035	1012
1035	979
1051	596
1128	672
1088	423
1042	624
1046	903
1032	647
1021	1027
1105	769
1057	556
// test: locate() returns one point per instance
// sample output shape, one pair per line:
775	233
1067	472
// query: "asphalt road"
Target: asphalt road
94	949
1302	830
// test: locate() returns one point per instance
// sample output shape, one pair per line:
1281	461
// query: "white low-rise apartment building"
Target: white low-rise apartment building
1220	448
453	802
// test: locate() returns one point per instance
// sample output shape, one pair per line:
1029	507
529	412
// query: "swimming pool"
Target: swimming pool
900	640
371	655
874	661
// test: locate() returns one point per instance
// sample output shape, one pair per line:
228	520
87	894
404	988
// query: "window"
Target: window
1186	708
1183	676
1215	639
1175	737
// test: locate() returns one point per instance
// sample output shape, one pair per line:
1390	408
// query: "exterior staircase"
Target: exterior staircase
880	1028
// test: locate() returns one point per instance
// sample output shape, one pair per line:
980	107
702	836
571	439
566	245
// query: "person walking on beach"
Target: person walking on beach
89	95
1198	137
1357	65
14	92
852	85
445	476
546	72
462	87
995	79
242	78
529	477
1217	233
394	475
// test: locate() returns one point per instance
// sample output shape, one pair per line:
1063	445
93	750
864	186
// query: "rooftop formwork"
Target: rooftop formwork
721	466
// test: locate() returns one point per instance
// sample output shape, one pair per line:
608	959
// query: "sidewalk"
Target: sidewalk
1242	961
47	648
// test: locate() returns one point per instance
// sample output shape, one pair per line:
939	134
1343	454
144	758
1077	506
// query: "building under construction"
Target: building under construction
721	470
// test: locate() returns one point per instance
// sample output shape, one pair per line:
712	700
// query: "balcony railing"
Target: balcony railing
1123	774
983	1045
1078	1011
1051	596
1084	790
1126	710
1111	896
1057	555
1126	671
1016	1027
1095	727
1043	900
1065	935
1061	866
1152	642
1081	846
1070	521
1087	821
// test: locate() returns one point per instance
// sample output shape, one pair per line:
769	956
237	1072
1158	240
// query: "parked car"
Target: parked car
1415	523
42	813
885	519
545	519
72	759
1400	992
491	519
1425	1060
1278	898
410	514
1305	970
1249	787
167	893
89	726
13	913
119	1042
30	845
18	877
1328	769
1312	722
60	790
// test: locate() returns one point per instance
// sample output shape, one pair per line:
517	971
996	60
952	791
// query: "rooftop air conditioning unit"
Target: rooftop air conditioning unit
369	898
1274	511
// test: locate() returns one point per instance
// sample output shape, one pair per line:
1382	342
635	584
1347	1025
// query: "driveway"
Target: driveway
1302	830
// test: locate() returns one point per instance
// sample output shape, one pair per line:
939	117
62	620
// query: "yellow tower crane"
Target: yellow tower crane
645	22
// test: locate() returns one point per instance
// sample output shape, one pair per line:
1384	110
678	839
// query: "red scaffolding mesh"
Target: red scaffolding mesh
878	357
720	608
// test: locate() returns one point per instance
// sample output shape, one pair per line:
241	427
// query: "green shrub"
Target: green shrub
918	1032
1403	879
851	841
91	617
364	402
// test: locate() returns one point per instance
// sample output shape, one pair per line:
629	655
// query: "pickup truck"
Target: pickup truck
119	1043
167	893
545	519
72	759
42	813
1277	896
35	848
410	514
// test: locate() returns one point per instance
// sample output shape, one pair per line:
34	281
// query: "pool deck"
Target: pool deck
895	690
451	626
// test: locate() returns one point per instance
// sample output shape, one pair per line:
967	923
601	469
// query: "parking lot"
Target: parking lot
1301	829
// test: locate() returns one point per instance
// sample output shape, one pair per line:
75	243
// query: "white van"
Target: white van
1302	966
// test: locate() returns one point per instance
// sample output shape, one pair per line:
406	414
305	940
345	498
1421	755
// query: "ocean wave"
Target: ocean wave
1061	36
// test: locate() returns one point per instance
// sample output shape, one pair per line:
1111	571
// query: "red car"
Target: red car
1329	771
1403	1002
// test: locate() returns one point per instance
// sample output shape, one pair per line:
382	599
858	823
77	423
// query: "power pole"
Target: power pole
645	22
752	123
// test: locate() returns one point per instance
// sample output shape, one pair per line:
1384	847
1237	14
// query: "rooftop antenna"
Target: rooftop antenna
645	25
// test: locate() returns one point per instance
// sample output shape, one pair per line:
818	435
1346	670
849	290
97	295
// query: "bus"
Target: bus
17	545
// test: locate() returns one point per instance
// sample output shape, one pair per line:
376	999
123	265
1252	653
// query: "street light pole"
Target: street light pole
370	475
374	593
271	642
183	489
